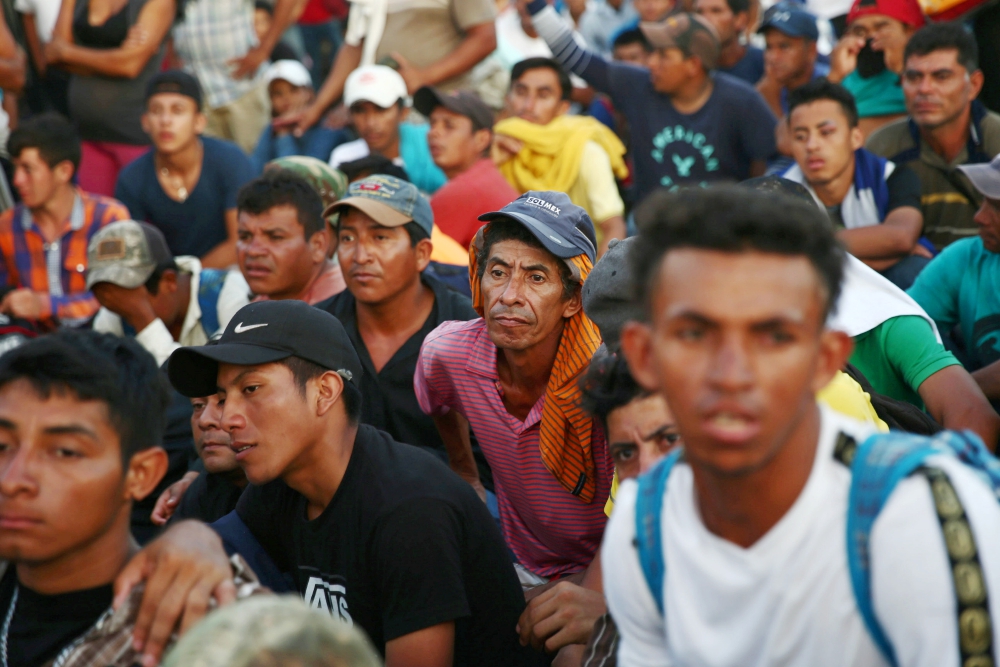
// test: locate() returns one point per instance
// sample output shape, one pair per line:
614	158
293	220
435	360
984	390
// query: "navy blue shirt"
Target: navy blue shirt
749	68
198	224
718	142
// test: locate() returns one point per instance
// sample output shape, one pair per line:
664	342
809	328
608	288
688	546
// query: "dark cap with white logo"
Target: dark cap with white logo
261	333
561	226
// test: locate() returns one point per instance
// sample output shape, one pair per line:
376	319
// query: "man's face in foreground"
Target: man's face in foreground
268	418
61	476
523	296
737	347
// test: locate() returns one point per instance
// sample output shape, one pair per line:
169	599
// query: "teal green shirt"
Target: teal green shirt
962	286
898	355
880	95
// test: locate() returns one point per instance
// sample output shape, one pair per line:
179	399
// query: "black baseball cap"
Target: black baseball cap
561	226
261	333
462	102
175	81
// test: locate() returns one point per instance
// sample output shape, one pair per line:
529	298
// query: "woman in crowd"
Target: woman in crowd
111	48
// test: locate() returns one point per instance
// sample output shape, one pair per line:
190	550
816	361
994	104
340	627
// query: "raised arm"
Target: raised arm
13	62
588	65
126	61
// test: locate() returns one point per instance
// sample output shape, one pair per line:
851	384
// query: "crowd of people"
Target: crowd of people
353	334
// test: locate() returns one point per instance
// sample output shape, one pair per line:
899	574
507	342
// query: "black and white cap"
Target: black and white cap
261	333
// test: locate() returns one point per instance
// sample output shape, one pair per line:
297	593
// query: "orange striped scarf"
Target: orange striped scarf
566	428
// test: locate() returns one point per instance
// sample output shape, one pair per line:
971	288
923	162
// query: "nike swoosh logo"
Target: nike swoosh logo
239	328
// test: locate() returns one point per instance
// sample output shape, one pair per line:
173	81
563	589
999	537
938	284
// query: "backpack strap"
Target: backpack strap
648	524
210	286
877	467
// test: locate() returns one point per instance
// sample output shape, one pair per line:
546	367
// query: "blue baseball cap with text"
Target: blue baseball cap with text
791	20
562	227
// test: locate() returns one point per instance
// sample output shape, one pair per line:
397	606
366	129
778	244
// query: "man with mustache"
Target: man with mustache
282	241
390	305
513	374
947	127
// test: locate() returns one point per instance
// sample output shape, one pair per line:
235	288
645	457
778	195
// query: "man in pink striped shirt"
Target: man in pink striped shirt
513	375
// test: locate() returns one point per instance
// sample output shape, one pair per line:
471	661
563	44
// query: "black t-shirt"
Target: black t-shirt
404	545
389	402
43	625
209	498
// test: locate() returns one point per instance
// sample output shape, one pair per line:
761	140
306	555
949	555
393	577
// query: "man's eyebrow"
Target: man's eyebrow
537	267
7	424
658	432
71	429
620	445
497	260
777	322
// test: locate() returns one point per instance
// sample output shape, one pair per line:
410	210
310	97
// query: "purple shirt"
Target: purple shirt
551	532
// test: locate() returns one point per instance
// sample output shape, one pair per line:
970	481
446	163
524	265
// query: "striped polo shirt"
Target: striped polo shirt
551	532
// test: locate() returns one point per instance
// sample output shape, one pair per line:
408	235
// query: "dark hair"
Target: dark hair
508	230
54	137
633	36
264	5
732	219
304	370
608	385
738	6
945	36
153	282
565	85
372	164
92	366
283	187
823	89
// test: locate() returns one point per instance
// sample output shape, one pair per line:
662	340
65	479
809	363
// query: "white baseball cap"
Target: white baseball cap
291	71
378	84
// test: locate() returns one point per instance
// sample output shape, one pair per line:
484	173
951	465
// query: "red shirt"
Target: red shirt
458	203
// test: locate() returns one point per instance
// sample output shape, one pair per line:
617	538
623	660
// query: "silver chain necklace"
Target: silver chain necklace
6	626
5	631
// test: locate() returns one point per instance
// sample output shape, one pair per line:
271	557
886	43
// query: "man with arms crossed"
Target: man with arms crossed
739	286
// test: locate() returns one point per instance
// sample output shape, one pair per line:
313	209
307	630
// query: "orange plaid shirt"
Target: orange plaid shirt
58	269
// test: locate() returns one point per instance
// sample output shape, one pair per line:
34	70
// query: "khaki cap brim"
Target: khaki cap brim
383	214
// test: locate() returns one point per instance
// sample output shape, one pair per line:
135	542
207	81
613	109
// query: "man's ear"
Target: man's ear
976	81
741	21
424	248
168	281
835	348
144	121
63	171
564	106
319	244
329	391
482	140
857	138
574	305
200	123
145	470
637	346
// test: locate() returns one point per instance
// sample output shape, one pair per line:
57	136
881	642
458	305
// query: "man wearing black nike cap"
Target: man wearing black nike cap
379	534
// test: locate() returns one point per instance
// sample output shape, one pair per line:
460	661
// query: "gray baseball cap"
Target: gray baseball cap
986	177
125	253
389	201
609	296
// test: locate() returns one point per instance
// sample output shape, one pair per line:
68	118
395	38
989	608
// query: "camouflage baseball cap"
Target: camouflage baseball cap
329	182
389	201
690	33
272	630
125	253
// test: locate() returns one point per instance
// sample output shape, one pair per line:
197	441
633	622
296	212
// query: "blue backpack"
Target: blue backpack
877	466
209	288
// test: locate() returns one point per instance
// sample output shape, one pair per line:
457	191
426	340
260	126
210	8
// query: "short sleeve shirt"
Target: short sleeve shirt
898	355
425	31
959	286
718	142
197	224
595	188
403	545
551	532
